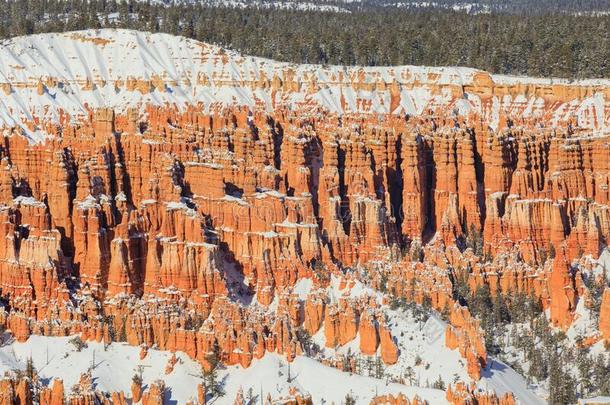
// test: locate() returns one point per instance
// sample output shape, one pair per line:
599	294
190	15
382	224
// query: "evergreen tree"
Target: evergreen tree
210	377
534	43
379	372
601	371
561	384
584	365
30	370
439	384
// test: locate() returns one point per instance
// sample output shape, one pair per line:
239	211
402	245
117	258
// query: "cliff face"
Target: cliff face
205	211
187	225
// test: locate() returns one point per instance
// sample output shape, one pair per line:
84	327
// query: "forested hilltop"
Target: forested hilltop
498	6
560	44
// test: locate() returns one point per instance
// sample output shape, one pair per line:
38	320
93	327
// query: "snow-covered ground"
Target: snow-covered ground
422	349
55	357
584	323
423	359
325	384
603	264
501	378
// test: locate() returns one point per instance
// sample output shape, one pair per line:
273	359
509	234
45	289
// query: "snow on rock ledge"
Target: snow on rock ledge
47	74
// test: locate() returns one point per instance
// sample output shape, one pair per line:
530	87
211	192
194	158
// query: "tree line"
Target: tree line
555	44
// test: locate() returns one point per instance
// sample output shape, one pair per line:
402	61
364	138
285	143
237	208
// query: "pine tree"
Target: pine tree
378	368
137	378
210	377
123	333
439	384
562	386
601	371
409	374
584	365
30	370
368	363
538	369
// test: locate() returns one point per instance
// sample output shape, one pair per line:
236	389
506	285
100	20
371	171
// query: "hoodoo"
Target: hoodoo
327	224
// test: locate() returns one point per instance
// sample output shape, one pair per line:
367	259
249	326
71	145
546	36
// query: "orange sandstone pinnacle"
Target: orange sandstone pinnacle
195	230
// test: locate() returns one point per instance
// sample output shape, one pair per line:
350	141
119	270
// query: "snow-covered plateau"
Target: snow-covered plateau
45	75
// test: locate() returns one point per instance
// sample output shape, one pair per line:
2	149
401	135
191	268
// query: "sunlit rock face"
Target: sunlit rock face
178	197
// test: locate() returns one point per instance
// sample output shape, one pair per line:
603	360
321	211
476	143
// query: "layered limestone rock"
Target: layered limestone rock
399	399
193	229
562	292
465	334
53	395
16	391
462	394
155	394
389	348
369	333
415	194
294	397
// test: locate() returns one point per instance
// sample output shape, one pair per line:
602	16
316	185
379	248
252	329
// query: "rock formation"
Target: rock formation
192	226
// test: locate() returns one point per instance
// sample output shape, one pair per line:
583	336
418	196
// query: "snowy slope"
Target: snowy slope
115	366
55	357
320	381
421	346
423	341
501	378
113	370
43	74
